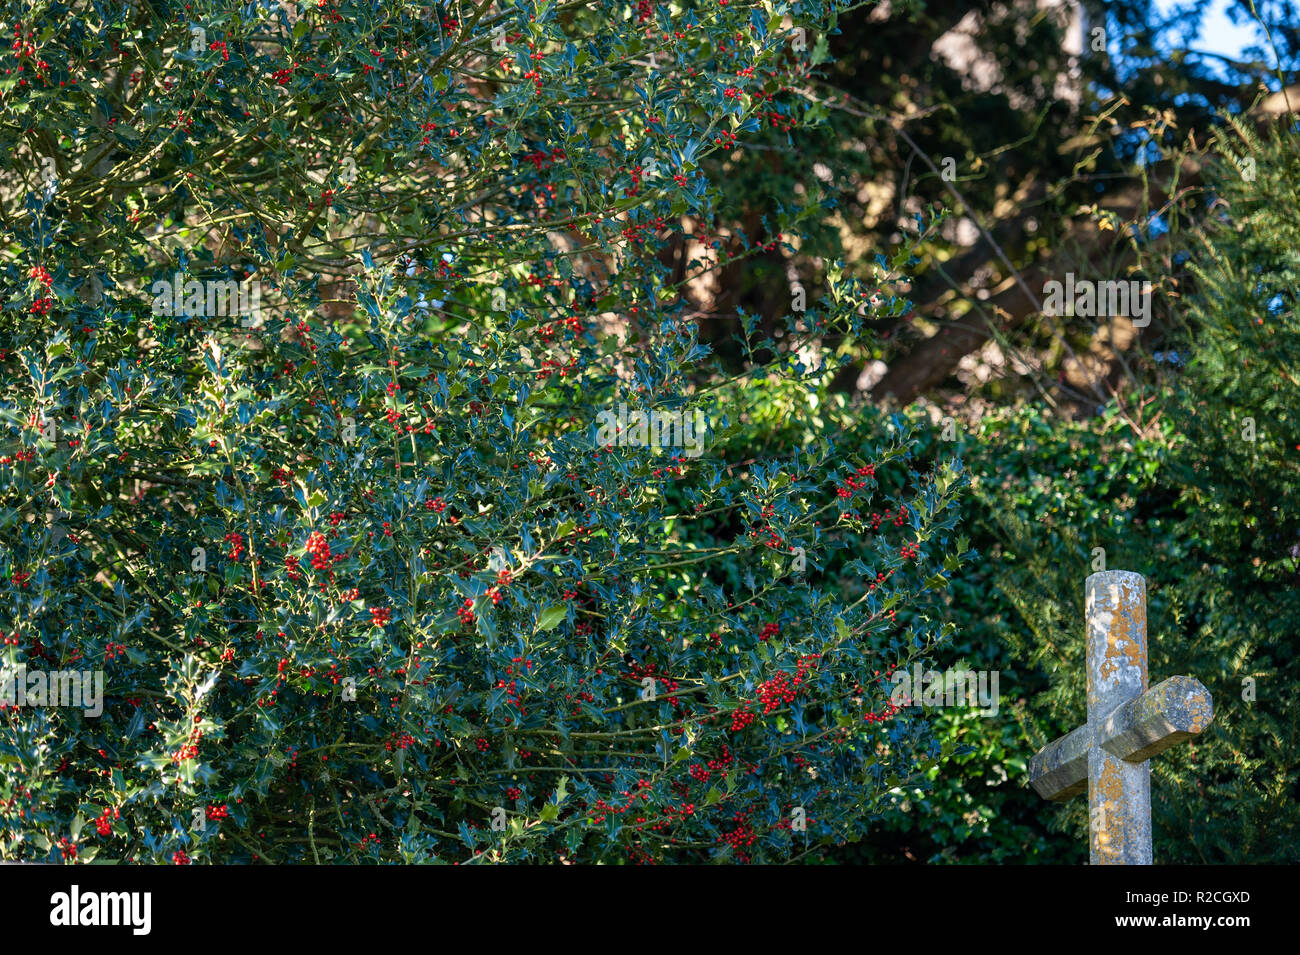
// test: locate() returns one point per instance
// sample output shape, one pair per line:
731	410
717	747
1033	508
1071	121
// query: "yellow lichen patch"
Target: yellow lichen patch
1126	635
1106	814
1201	710
1185	703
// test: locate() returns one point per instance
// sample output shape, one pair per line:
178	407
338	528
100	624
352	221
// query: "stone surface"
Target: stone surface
1119	792
1127	725
1059	770
1163	716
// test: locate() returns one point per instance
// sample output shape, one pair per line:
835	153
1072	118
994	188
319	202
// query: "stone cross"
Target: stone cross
1127	725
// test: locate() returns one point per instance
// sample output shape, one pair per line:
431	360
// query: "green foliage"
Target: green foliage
1018	609
381	567
1237	473
1202	511
375	566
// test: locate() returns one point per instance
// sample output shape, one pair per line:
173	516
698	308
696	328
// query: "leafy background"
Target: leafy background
476	227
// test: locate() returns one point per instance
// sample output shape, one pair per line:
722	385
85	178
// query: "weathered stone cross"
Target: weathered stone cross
1127	725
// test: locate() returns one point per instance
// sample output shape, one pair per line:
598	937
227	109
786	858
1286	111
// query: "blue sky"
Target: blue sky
1218	33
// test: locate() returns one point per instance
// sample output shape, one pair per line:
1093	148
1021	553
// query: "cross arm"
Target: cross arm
1150	723
1059	770
1157	719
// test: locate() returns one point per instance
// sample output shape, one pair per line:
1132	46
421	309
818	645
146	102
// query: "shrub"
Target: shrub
372	568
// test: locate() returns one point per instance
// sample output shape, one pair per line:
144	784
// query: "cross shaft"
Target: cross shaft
1127	725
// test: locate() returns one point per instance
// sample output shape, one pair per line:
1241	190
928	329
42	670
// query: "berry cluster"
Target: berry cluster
319	548
236	542
104	823
466	611
852	484
741	718
741	837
